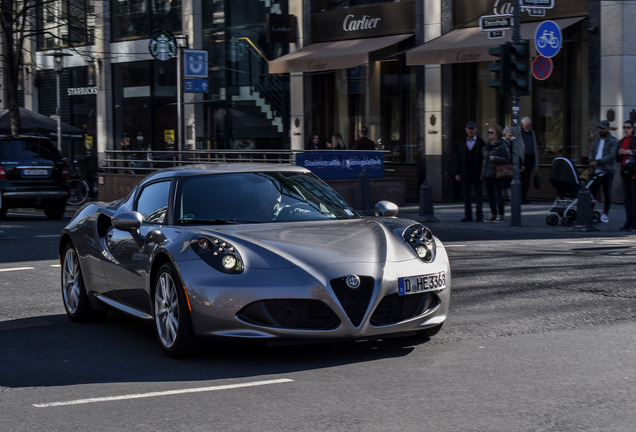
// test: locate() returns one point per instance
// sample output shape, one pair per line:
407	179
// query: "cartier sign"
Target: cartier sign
365	23
356	22
281	28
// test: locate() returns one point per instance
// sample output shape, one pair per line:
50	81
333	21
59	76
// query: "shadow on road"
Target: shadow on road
52	351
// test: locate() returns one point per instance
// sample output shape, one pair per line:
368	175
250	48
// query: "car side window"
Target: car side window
152	202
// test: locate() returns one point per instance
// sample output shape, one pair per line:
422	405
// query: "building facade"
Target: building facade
411	71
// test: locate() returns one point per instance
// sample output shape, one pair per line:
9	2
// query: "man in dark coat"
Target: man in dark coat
363	142
468	164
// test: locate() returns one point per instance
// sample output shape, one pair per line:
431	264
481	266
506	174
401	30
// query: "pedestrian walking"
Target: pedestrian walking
603	161
337	143
468	165
495	153
516	150
316	143
626	157
530	157
363	142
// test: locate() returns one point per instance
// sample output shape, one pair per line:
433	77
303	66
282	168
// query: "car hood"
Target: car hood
284	245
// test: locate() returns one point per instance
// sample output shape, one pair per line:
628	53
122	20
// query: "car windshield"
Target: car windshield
258	197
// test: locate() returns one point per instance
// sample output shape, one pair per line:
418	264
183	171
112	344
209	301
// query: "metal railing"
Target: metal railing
146	161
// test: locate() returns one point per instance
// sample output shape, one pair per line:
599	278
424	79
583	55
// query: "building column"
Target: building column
430	101
103	81
298	8
618	62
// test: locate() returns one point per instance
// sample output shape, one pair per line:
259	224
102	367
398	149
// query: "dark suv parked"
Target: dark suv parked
33	174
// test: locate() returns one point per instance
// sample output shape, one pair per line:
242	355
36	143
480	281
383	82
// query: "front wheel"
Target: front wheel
173	326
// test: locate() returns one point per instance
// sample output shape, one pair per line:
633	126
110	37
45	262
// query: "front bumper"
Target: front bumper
298	304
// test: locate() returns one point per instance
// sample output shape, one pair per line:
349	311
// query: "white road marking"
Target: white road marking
16	269
55	265
163	393
47	236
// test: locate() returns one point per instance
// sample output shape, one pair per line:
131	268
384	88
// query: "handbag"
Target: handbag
504	171
628	170
536	181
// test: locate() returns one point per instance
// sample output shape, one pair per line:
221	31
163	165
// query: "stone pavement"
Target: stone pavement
533	221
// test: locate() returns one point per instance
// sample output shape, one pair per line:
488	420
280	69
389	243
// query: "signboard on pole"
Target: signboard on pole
195	64
539	4
542	68
495	22
196	86
548	39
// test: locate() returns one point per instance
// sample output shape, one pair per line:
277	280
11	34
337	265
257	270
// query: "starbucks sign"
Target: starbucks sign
162	45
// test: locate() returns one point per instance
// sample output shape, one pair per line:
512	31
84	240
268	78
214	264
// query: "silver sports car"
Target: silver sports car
252	251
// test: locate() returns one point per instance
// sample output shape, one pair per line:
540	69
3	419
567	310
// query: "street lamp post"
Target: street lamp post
58	67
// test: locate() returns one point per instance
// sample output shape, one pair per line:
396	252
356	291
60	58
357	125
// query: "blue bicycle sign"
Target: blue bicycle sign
548	39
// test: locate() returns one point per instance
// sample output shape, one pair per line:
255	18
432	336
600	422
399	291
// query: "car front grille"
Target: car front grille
297	314
354	301
395	308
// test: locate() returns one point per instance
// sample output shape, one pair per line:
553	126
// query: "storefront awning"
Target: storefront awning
470	44
334	55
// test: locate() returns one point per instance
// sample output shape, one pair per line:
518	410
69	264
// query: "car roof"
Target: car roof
222	168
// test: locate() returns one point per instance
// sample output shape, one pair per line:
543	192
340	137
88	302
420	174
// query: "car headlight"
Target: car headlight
421	241
219	254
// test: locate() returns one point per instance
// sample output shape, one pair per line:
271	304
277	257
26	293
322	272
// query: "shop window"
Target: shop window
144	104
64	23
135	19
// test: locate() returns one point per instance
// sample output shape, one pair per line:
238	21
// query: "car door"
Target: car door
128	271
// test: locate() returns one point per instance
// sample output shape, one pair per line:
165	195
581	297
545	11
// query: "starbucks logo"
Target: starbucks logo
162	45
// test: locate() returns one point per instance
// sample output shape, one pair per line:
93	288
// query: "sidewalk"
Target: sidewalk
533	221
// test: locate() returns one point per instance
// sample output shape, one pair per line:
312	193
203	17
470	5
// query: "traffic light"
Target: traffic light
500	68
520	67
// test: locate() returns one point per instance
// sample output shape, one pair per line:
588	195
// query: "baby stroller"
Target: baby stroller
568	184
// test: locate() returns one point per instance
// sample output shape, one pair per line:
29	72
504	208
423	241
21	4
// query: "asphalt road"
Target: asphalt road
541	337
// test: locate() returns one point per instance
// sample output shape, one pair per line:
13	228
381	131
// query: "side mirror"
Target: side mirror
130	221
386	209
127	221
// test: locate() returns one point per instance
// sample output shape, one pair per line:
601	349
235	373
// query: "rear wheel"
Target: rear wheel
552	219
76	301
55	209
173	326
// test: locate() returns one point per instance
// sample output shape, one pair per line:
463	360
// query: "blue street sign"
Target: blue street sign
195	64
548	39
195	86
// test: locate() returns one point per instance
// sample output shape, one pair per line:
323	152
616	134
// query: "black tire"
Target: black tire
74	295
173	325
552	219
78	192
596	217
55	209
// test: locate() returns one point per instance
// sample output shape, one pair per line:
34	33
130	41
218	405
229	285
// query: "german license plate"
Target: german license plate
35	172
417	284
